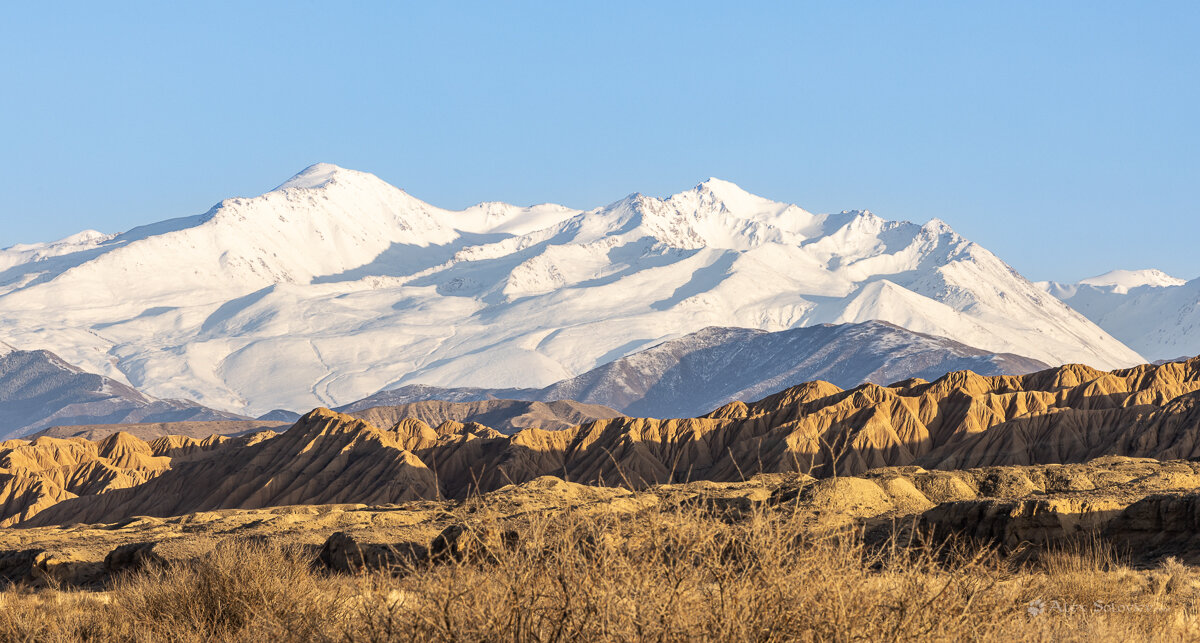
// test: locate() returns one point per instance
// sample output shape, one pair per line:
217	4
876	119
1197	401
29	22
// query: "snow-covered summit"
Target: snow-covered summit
1118	282
24	253
337	284
1126	280
494	217
1156	314
733	198
715	214
318	175
323	222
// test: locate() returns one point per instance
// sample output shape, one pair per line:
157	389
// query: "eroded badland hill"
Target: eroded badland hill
962	420
945	510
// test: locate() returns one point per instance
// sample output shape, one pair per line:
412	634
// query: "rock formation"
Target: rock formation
153	430
962	420
38	474
506	416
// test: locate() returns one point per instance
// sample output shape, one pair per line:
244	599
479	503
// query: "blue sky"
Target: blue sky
1063	136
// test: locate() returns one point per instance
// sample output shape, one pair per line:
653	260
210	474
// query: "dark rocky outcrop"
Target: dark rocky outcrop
344	553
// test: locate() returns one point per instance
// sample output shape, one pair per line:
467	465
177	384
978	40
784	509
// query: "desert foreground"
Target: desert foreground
1094	551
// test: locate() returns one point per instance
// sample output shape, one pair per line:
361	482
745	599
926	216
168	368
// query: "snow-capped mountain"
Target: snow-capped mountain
1124	280
1150	311
707	369
701	371
1115	281
336	285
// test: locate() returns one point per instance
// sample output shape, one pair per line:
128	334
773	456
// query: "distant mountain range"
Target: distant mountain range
1150	311
962	420
505	416
684	377
697	373
38	390
336	285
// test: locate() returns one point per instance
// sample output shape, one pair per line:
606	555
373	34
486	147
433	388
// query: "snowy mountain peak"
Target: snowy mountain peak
715	214
84	237
1125	280
1114	282
497	217
319	175
724	190
1154	313
715	194
938	226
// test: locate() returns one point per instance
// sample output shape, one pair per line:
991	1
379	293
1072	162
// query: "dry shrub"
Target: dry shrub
53	616
242	591
1085	588
1085	570
661	575
683	576
238	588
1173	577
1086	554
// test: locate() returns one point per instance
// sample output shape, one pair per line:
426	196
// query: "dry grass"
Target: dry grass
668	575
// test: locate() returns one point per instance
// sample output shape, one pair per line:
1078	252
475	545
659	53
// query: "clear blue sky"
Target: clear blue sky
1063	136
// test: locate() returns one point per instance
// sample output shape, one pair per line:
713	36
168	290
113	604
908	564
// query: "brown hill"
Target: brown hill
325	458
506	416
1068	414
38	474
152	430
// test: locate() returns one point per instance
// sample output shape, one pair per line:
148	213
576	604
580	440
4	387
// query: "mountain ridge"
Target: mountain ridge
695	374
1149	310
337	285
38	390
1067	414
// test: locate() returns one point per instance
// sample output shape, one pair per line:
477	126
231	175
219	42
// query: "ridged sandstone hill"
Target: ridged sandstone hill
39	474
1067	414
506	416
150	431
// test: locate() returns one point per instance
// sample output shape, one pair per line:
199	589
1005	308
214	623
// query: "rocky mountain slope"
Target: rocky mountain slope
149	431
696	373
506	416
37	475
962	420
336	285
1150	311
38	389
